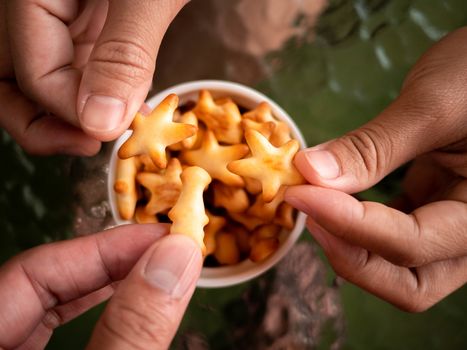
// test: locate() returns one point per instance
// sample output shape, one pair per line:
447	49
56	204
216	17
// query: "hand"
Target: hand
52	284
411	260
68	66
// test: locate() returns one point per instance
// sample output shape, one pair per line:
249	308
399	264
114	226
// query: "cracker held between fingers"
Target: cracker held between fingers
153	133
188	214
125	187
272	166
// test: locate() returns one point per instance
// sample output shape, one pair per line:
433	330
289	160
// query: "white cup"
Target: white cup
246	97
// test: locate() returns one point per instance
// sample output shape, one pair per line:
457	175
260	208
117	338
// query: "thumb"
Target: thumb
147	307
119	72
361	158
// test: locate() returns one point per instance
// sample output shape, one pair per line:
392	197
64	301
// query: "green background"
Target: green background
350	72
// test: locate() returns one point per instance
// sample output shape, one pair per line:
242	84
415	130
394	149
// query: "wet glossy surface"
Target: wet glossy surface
330	79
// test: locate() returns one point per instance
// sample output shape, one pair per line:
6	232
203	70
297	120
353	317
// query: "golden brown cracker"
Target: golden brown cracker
214	159
188	214
223	118
164	188
153	133
125	186
272	166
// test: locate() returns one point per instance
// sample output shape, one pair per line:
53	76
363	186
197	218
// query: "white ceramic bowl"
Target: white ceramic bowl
248	98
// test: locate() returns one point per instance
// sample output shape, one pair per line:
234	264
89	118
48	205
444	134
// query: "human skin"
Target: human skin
149	276
54	94
74	73
415	254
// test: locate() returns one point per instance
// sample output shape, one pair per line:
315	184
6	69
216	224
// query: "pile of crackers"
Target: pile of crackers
213	170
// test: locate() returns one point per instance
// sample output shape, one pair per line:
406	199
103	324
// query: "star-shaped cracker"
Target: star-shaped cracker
227	252
242	236
222	118
148	164
285	216
272	166
214	158
164	188
210	231
263	249
141	217
233	199
264	232
262	114
153	133
266	129
252	186
188	214
280	135
248	221
266	210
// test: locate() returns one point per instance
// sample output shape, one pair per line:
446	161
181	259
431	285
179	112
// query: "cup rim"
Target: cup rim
214	277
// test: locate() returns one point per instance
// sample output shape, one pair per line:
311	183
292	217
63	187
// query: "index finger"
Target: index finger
42	53
55	274
434	232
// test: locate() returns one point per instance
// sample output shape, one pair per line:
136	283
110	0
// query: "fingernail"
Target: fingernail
102	113
324	163
319	234
174	265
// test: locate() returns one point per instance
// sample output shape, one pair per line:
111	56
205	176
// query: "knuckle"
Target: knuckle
410	256
124	61
415	304
404	259
350	269
414	252
371	147
418	296
136	327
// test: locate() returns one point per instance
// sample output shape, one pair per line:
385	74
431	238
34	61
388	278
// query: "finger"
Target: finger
86	28
60	315
119	72
413	290
37	133
360	159
55	274
42	53
431	233
147	308
425	181
428	114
